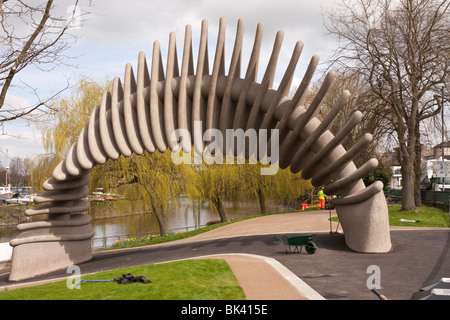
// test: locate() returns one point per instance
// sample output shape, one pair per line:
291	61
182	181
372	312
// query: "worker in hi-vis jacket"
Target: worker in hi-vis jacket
321	196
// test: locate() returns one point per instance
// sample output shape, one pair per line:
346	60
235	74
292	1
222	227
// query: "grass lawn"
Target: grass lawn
202	279
429	216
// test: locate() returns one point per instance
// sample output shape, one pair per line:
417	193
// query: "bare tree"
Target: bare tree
16	171
401	49
362	100
32	34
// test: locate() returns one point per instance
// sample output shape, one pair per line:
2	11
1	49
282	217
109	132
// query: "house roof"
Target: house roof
443	144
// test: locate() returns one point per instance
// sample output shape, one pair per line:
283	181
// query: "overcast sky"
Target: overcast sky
117	31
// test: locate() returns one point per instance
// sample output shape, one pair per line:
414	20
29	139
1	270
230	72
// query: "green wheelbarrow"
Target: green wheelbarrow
298	243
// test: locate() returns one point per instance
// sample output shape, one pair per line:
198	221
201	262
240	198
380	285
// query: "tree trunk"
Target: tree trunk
408	186
408	154
159	213
418	171
220	210
262	201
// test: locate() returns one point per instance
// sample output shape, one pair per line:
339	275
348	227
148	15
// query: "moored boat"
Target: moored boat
5	193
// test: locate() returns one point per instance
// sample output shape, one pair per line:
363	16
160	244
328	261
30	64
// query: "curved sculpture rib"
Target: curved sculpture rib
143	113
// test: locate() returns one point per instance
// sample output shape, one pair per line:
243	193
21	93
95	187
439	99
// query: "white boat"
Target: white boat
5	193
98	196
14	200
27	199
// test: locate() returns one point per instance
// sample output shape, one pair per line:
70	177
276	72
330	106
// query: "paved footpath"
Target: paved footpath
419	257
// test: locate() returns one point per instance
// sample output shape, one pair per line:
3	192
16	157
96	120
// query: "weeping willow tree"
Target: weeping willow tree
217	183
220	182
63	126
284	187
156	181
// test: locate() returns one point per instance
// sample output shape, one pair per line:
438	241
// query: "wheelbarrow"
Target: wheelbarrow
298	243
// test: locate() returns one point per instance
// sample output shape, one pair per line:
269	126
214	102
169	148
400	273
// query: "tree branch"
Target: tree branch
26	47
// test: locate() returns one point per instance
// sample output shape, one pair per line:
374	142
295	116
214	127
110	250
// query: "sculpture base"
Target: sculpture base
45	246
365	223
34	259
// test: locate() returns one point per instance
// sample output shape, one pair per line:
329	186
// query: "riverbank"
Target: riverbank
129	221
11	215
142	241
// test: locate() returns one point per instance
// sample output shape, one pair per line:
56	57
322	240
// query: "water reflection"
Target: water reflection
186	216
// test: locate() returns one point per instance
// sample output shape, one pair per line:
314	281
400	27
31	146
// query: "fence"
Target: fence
435	198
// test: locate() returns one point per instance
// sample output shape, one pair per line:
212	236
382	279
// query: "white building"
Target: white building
435	172
439	172
396	179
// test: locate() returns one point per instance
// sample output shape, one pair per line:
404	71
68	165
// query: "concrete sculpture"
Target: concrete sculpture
143	113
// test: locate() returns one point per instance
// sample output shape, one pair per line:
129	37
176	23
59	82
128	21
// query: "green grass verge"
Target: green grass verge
202	279
428	216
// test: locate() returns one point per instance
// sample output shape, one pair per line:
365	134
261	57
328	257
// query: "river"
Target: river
185	216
